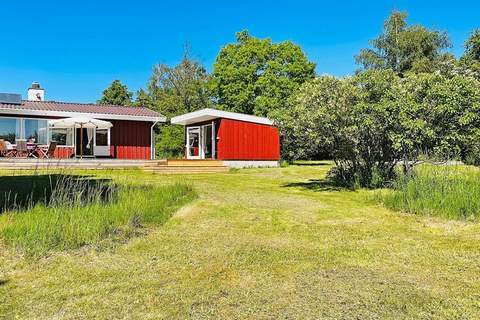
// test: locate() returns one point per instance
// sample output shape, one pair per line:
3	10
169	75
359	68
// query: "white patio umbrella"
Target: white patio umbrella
80	122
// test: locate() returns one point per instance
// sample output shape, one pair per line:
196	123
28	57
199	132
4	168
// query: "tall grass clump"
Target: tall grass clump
446	191
78	212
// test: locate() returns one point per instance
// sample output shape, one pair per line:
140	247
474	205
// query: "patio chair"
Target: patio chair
8	150
3	148
49	151
22	150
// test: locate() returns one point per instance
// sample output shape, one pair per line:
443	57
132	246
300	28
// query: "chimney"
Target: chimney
35	92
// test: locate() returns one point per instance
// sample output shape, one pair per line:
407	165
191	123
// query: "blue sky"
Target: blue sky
76	48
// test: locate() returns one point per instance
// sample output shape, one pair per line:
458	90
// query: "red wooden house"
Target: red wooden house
129	134
239	140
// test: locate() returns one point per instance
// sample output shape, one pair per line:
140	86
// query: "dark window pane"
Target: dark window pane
102	137
208	142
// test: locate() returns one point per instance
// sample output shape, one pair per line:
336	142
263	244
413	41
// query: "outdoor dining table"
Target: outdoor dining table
32	149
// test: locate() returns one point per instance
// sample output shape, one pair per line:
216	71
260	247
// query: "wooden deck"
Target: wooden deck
186	166
163	166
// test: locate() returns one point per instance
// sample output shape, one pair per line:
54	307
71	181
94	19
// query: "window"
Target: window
63	136
36	130
29	129
101	137
9	129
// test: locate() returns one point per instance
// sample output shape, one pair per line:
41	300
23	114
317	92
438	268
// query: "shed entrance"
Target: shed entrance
201	142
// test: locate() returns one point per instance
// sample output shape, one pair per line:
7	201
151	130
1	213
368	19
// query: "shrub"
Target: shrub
375	120
284	164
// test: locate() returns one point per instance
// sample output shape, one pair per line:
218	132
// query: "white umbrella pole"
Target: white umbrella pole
81	140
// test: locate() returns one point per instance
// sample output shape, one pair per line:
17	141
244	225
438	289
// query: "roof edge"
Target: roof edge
187	118
106	116
83	103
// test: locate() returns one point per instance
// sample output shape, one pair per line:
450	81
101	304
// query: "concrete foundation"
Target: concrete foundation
251	163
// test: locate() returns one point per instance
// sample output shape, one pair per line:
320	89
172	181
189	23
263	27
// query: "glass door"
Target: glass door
84	142
207	147
193	143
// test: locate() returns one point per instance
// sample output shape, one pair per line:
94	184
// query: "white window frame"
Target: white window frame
61	146
187	147
201	143
101	150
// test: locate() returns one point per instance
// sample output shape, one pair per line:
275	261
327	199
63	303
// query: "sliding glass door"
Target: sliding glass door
201	142
84	142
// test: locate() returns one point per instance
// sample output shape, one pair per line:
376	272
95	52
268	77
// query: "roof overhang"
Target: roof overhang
211	114
66	114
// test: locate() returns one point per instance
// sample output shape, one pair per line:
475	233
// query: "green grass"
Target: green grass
259	244
445	191
60	212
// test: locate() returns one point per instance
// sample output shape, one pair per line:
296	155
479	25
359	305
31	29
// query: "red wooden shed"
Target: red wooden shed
239	140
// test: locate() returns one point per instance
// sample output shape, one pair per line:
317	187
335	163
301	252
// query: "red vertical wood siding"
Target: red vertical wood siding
64	152
130	139
239	140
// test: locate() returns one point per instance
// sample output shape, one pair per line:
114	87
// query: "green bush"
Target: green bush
347	176
284	163
170	142
376	119
446	191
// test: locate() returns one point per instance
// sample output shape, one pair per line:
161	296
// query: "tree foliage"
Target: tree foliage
403	48
472	46
116	94
371	122
173	91
179	89
256	76
471	57
143	99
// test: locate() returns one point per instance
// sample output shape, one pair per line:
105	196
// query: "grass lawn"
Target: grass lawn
260	244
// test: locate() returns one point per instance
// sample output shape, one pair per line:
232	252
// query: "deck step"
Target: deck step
155	166
193	170
171	168
194	163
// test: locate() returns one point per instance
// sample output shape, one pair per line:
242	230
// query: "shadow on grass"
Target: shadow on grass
316	185
3	282
24	192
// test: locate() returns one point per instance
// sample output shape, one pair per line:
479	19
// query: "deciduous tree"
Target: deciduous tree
256	76
173	91
404	48
471	57
116	94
